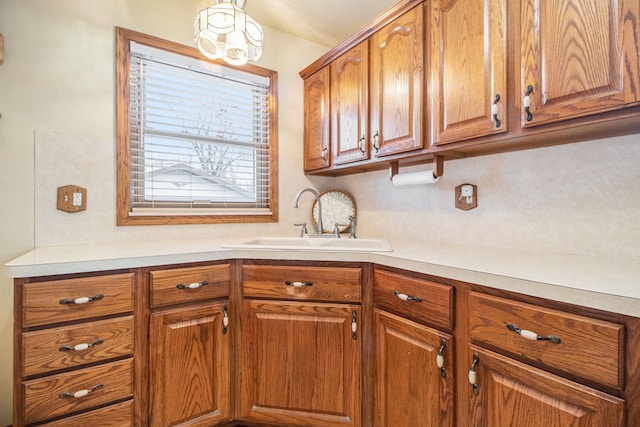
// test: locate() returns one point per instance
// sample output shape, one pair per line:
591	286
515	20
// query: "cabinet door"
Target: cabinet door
410	388
189	364
397	85
510	393
349	105
468	68
578	57
317	117
301	364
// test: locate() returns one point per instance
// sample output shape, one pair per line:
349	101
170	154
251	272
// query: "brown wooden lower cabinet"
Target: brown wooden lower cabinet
293	343
301	364
509	393
411	387
189	366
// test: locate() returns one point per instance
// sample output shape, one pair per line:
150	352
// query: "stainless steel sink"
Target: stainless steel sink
313	244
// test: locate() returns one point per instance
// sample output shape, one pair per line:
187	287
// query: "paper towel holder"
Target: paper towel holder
438	167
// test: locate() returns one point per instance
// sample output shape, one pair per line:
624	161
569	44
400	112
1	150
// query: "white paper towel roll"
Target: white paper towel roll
414	178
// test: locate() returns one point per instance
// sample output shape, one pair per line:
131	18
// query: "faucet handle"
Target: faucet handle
352	227
303	230
336	229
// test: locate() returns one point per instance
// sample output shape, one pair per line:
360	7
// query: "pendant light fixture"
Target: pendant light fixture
225	31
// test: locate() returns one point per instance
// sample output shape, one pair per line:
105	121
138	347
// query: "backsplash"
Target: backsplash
578	198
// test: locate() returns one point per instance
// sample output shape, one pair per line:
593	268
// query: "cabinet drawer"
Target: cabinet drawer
120	415
429	302
45	397
57	348
587	348
172	286
302	283
73	299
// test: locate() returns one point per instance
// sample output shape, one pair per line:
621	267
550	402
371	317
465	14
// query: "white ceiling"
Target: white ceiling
326	22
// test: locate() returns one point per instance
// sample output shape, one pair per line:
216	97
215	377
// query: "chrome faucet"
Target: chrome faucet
317	196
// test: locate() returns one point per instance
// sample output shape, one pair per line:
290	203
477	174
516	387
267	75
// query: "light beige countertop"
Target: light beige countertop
597	282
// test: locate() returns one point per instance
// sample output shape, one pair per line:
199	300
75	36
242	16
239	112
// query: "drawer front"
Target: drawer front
189	284
52	396
72	346
341	284
73	299
586	348
420	300
120	415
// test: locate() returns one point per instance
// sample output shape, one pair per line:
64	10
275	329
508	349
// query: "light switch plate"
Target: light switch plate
72	198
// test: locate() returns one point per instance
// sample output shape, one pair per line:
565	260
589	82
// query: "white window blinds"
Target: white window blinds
199	135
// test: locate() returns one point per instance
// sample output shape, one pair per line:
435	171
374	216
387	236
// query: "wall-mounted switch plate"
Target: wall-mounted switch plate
72	198
466	196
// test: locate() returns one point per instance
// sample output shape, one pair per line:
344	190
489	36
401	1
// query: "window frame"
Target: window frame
124	37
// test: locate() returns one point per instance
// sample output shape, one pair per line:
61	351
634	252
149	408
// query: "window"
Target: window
196	139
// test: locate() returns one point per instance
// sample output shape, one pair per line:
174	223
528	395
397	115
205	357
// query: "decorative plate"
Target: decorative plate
337	207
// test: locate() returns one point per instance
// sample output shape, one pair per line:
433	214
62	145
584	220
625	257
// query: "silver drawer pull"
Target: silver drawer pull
405	297
298	284
530	335
80	393
195	285
80	347
82	300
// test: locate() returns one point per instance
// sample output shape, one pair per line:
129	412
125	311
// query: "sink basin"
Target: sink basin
313	244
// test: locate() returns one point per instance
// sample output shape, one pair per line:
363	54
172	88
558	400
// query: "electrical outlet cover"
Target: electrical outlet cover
461	199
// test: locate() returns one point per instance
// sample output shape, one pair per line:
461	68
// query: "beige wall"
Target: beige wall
57	128
57	82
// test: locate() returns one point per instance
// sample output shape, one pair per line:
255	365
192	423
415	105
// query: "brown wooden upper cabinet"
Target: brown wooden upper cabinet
317	136
350	105
577	57
469	77
375	90
574	58
396	82
468	68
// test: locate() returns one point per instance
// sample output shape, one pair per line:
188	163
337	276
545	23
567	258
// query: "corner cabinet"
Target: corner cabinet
189	347
301	345
376	91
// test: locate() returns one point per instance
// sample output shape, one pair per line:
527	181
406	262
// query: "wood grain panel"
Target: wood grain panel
189	362
43	400
301	365
164	284
41	350
435	307
410	389
328	283
589	348
119	415
42	299
317	120
513	394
